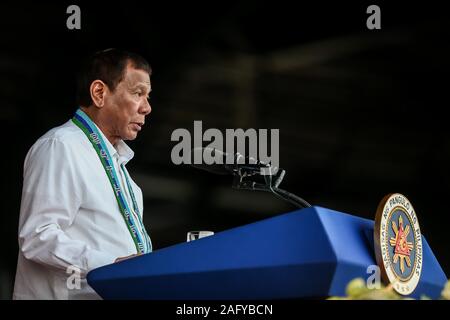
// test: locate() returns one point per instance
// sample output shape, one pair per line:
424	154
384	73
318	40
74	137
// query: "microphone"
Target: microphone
244	173
216	168
228	163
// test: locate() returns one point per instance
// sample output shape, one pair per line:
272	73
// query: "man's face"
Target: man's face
128	105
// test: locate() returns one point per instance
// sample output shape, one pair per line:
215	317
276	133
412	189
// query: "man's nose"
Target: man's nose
146	107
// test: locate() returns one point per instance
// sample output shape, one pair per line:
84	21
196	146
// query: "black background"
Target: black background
361	113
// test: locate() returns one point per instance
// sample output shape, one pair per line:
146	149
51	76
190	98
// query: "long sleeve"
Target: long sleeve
50	201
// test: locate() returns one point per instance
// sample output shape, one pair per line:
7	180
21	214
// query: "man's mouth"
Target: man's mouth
137	125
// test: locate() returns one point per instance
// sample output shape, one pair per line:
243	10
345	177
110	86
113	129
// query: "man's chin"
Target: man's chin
130	136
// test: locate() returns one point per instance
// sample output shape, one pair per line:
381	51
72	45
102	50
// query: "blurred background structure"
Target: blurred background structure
361	112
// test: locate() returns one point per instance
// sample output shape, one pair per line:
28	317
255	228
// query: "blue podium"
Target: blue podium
308	253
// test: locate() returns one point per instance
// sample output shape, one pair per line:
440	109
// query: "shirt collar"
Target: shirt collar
121	151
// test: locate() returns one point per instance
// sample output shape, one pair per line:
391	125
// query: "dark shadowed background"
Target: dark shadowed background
361	113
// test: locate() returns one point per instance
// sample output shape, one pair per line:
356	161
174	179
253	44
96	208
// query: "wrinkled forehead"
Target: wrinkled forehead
136	77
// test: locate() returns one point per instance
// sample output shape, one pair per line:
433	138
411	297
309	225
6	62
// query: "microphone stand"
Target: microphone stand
244	179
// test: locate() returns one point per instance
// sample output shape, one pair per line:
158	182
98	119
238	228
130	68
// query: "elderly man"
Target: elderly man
80	208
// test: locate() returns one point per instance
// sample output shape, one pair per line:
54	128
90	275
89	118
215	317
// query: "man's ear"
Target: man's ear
98	90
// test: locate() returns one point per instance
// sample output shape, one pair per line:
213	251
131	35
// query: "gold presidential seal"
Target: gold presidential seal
398	243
